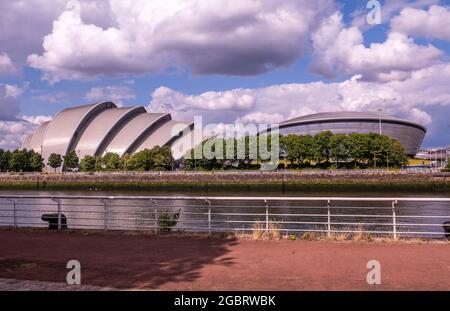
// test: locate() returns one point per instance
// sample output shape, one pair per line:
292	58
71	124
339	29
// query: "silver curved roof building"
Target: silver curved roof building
103	127
408	133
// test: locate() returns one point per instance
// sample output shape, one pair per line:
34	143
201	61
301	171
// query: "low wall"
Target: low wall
278	179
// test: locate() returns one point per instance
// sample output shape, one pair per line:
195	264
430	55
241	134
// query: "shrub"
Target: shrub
167	220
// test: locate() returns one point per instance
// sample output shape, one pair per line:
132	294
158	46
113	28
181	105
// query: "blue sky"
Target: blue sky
259	61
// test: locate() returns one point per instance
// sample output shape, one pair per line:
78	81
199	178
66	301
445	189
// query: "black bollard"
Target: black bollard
53	221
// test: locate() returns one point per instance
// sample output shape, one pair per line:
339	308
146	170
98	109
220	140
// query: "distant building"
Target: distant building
408	133
100	128
438	157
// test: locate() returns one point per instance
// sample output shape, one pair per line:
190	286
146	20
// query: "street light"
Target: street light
379	115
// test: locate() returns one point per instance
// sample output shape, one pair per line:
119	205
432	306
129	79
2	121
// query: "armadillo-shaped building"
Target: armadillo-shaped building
103	127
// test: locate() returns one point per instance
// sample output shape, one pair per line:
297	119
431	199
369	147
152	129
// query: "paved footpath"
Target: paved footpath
199	263
21	285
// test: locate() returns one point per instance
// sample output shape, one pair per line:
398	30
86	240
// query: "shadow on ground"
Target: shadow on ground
111	260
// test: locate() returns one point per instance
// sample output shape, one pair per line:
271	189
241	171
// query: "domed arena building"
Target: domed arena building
408	133
103	127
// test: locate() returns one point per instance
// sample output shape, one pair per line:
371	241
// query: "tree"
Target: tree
71	160
19	161
305	148
339	150
4	160
162	157
55	160
111	161
396	155
291	144
36	162
322	146
359	146
87	164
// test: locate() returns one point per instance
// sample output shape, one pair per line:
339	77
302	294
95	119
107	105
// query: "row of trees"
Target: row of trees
157	158
364	150
323	150
20	160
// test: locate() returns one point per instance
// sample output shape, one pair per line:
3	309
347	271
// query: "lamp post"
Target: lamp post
379	116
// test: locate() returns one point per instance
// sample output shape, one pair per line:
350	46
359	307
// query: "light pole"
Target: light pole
379	116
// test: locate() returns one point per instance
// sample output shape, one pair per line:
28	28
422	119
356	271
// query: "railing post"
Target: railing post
58	202
156	217
105	214
14	212
208	202
328	219
267	217
394	220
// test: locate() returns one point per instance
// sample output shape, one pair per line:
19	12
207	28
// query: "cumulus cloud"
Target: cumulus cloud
12	133
13	126
114	93
432	23
410	98
207	37
6	65
24	23
9	105
341	50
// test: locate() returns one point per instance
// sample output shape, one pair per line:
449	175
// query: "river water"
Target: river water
424	219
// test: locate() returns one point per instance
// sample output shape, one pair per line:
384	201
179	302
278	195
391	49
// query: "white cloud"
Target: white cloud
208	37
114	93
12	133
261	118
24	23
9	106
340	50
411	98
432	23
6	65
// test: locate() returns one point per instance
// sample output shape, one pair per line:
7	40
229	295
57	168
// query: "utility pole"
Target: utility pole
379	115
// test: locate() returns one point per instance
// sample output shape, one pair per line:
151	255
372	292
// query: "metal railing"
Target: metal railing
395	217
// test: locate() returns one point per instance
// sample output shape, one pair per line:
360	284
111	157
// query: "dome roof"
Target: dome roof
348	116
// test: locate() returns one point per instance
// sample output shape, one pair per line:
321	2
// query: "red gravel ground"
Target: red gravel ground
200	263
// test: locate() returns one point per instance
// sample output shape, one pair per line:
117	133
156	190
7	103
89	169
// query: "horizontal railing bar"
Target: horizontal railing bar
165	198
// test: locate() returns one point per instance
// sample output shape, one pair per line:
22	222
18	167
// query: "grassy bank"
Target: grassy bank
425	186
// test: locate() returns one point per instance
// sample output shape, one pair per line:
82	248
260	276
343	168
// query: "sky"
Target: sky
246	61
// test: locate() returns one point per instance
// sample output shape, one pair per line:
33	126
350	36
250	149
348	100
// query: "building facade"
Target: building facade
408	133
103	127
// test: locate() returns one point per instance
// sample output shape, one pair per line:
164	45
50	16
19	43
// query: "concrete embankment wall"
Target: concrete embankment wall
394	180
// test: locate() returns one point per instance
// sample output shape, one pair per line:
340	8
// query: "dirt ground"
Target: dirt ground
202	263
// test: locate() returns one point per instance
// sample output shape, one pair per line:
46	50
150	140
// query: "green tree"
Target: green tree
71	160
111	161
305	148
396	155
291	144
359	147
322	146
87	164
36	162
339	150
162	157
4	160
19	161
55	160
